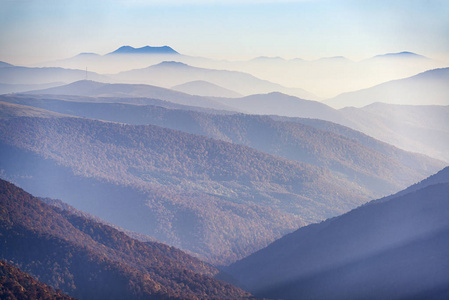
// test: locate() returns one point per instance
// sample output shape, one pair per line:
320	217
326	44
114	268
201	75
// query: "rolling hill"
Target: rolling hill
89	260
395	249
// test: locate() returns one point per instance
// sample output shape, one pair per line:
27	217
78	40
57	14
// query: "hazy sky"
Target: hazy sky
39	30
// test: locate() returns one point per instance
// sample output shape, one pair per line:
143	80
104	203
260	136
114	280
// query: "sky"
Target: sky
33	31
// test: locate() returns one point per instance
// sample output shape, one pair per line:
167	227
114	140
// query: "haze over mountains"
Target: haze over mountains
165	67
171	73
422	128
400	126
232	162
122	59
326	77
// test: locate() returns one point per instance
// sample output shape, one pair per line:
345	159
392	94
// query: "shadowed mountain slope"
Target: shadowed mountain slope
89	260
391	249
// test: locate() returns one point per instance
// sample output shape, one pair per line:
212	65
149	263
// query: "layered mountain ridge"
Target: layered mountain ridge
379	169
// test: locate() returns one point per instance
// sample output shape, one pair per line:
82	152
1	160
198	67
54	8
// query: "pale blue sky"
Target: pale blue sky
39	30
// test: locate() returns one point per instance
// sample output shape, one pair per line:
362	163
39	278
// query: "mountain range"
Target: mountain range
325	77
263	104
329	77
395	249
144	50
167	176
398	125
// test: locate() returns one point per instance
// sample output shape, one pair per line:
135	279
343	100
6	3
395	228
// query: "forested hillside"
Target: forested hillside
89	260
380	169
219	200
15	284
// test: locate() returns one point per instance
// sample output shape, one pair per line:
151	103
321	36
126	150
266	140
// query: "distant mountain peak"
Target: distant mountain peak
4	64
403	54
172	64
268	58
278	94
334	58
88	54
145	50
